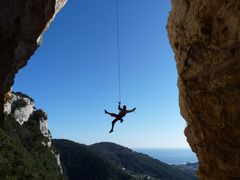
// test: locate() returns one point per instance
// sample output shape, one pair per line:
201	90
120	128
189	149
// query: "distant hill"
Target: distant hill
139	163
191	168
111	161
81	163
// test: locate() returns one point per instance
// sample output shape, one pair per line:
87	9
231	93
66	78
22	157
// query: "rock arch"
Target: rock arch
205	37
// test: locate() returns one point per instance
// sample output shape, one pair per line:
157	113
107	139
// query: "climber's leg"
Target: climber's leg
113	123
111	114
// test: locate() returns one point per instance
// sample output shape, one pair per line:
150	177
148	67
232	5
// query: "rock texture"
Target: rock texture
20	107
26	151
23	109
22	24
205	36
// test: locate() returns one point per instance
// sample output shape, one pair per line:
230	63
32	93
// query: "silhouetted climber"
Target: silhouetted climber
122	112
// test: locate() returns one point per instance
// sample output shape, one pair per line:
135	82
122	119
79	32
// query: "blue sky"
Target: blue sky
73	75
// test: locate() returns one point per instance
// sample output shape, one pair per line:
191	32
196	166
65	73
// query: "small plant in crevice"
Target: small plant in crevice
39	114
21	103
20	94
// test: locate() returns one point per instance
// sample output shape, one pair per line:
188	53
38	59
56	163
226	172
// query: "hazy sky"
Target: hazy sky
73	75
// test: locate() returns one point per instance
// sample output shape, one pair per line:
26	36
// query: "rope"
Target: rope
118	54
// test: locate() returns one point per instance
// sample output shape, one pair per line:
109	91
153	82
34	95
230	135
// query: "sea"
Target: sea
169	155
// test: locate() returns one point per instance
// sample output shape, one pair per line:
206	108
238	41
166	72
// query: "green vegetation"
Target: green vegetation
191	168
21	103
23	95
39	114
79	162
111	161
22	155
138	163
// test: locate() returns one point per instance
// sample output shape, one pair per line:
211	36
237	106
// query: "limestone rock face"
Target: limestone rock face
25	132
22	24
205	36
23	113
42	119
20	107
23	109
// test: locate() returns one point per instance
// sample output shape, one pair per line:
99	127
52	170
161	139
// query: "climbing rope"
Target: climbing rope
118	54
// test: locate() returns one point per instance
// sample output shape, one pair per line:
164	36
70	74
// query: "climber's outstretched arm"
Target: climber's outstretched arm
119	106
128	111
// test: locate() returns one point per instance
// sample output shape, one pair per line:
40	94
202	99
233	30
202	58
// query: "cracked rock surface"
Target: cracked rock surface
205	37
22	24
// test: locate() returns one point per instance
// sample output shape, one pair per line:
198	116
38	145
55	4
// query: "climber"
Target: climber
122	112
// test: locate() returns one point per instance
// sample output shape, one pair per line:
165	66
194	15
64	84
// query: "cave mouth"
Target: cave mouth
205	45
70	95
157	71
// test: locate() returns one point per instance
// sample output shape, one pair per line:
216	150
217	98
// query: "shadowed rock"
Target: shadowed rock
22	24
205	36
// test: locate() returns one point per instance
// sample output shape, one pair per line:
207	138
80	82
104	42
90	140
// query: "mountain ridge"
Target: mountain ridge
135	165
